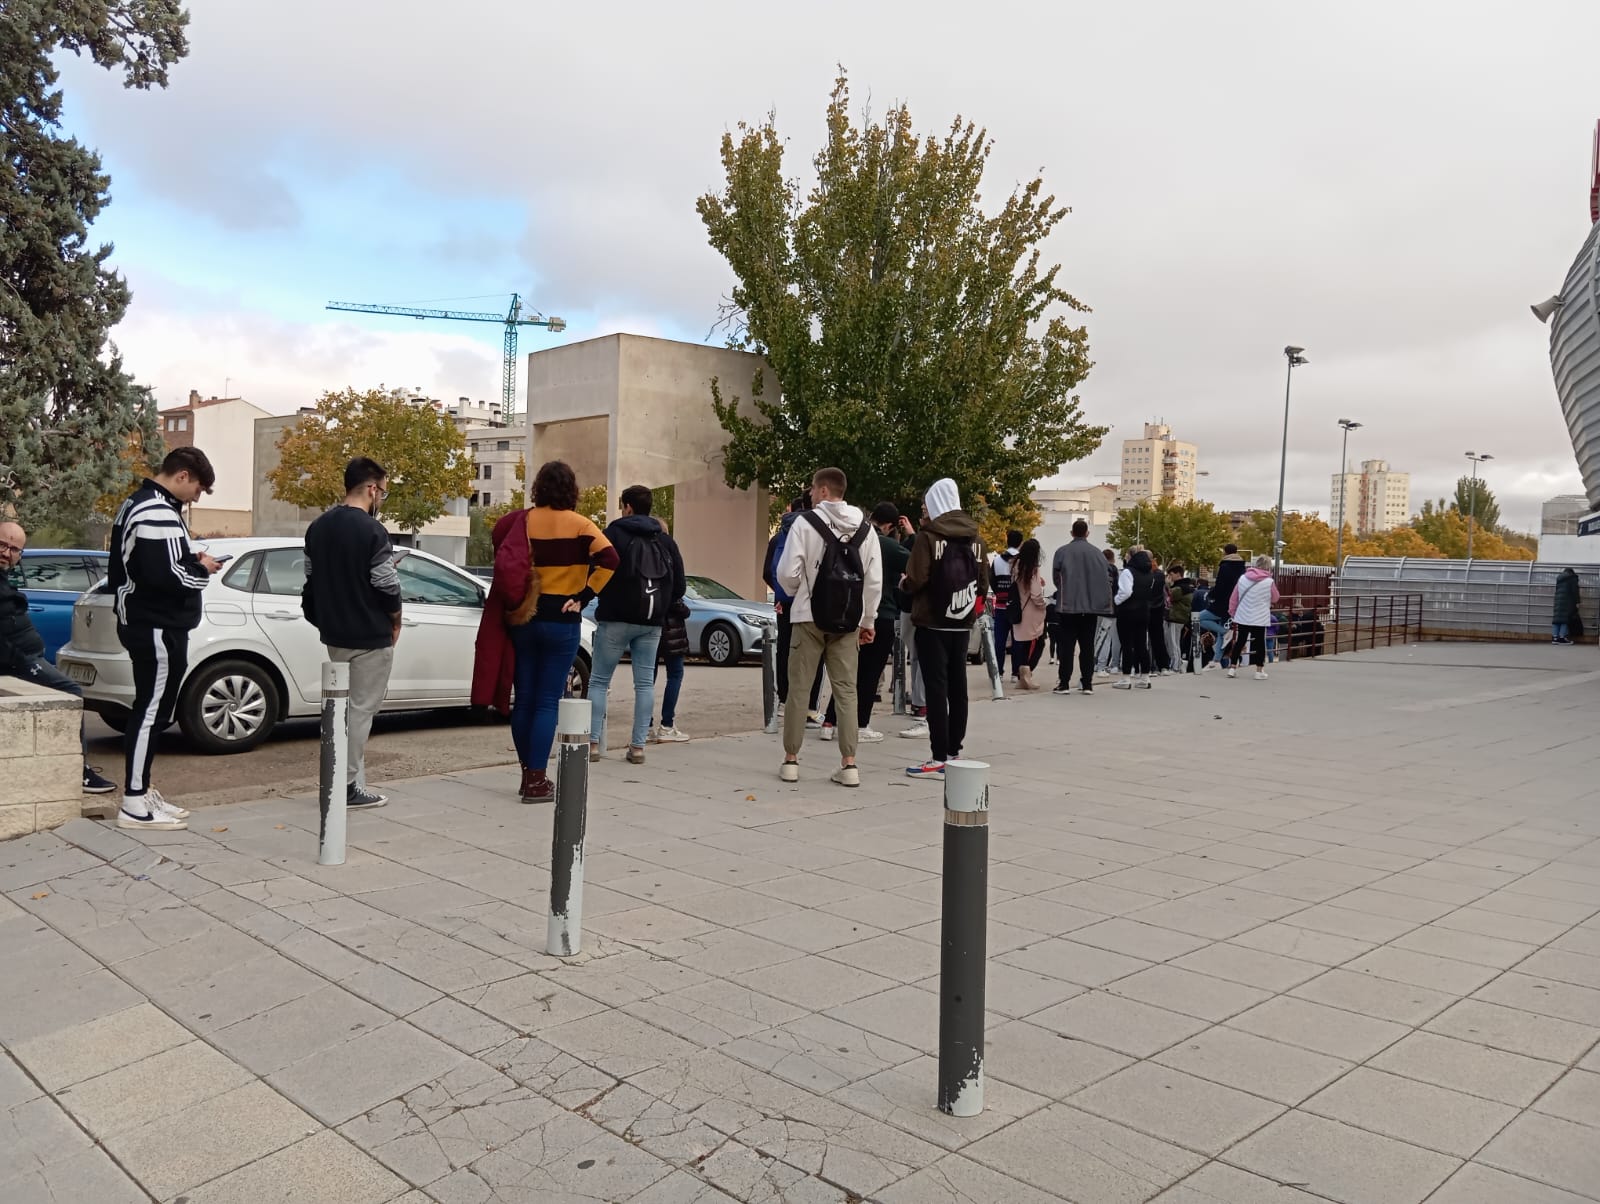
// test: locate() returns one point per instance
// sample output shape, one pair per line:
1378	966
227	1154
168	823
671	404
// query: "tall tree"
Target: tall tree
913	335
424	453
1188	533
1306	539
1484	511
68	411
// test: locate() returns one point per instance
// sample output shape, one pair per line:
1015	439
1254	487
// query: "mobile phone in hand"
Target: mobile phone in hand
223	559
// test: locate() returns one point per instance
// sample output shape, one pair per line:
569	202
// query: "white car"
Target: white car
255	660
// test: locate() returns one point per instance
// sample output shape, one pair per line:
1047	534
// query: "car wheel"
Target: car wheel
722	645
228	706
578	676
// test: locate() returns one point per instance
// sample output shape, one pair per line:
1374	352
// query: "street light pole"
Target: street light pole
1472	500
1296	357
1344	451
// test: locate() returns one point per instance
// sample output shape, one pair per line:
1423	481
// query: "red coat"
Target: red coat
494	662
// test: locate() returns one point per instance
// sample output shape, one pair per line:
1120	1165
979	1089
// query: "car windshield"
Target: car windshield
707	590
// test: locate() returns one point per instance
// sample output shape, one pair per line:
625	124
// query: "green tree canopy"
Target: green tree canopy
1306	538
1484	512
425	455
1190	533
913	334
68	411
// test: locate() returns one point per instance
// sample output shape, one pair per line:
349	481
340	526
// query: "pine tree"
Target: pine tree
68	411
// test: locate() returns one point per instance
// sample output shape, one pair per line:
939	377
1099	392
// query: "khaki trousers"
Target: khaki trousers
809	644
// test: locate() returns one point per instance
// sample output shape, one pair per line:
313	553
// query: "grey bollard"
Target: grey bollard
335	767
898	676
985	630
564	935
769	678
963	937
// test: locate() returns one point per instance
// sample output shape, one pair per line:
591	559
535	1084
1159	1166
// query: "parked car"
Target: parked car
255	660
724	627
52	579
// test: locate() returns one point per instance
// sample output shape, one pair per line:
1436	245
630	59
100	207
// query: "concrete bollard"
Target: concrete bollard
335	767
564	936
769	678
963	937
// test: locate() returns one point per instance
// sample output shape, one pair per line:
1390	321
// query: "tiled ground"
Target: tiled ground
1332	936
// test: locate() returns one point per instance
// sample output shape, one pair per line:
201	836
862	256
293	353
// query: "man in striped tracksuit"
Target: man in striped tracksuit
156	577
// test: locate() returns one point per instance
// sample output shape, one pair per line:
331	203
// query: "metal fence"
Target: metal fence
1348	623
1478	599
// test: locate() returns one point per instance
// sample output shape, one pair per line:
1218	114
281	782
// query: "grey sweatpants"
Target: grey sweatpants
369	684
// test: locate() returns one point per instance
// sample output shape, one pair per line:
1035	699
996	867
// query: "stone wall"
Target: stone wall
41	762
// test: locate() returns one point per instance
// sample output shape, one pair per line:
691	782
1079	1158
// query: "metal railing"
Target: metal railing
1481	600
1313	624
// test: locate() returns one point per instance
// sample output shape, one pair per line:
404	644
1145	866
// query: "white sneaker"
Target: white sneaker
789	771
847	775
652	735
1233	672
917	731
669	735
1261	675
1210	665
157	803
829	732
1125	684
868	735
155	821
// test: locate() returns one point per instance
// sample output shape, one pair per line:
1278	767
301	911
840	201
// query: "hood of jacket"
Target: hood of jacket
942	498
1257	574
1139	562
844	518
639	524
956	524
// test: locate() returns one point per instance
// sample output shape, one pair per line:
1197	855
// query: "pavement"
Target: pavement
1331	936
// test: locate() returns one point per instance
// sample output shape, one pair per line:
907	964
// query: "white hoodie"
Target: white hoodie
802	554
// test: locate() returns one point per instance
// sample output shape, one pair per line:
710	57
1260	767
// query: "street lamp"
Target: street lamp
1296	357
1472	504
1344	450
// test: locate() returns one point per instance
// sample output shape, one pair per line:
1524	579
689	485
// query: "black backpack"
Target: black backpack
953	585
645	580
838	593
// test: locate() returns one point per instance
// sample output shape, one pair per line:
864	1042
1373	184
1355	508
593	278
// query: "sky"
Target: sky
1388	185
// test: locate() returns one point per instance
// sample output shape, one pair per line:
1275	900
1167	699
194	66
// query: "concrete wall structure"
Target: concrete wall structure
630	410
41	764
1060	508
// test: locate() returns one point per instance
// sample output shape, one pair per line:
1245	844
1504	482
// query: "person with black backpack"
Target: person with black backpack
630	614
832	569
946	576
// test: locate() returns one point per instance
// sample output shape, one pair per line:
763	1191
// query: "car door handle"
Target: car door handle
36	610
281	616
408	622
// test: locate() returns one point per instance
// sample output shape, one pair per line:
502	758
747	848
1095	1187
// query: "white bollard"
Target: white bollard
564	935
335	760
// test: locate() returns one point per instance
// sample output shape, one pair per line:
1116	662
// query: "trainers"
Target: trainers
1086	689
667	734
653	735
536	787
829	732
813	721
868	735
155	821
789	771
635	756
158	803
917	731
1261	675
1125	683
93	783
847	775
594	752
1233	673
1210	665
928	769
361	797
1141	683
1063	688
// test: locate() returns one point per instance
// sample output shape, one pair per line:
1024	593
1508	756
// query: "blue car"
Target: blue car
52	579
724	627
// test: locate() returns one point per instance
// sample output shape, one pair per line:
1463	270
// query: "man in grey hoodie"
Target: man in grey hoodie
1083	595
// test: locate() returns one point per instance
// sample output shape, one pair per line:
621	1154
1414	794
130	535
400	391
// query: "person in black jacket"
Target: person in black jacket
1214	618
1138	587
156	577
1566	620
630	614
352	597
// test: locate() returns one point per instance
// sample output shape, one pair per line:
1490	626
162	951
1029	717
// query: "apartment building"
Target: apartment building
1376	499
223	428
1157	466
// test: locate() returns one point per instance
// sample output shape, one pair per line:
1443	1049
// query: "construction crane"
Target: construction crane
512	319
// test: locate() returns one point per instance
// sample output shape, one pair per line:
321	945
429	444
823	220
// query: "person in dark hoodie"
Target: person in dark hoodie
1566	621
1137	589
630	614
1214	618
946	575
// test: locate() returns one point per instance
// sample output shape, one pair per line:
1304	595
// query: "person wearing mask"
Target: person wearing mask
156	577
648	582
1214	618
549	562
1000	577
1567	620
874	657
1251	607
832	569
1027	628
1137	586
22	647
948	573
1083	600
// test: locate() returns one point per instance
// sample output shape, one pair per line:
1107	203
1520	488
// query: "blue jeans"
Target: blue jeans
42	673
1559	631
1002	635
669	700
640	642
1217	626
545	652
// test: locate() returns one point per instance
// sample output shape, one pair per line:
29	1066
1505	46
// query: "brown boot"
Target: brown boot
536	786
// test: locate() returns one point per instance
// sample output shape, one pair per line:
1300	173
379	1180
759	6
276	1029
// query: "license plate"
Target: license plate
82	674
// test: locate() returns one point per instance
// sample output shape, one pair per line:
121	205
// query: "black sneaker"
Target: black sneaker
1086	689
360	796
1063	688
93	783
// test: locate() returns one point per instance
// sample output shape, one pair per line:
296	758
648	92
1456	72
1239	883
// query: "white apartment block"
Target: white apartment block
1377	498
1157	466
223	428
495	452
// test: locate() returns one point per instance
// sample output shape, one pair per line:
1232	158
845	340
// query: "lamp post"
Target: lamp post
1344	450
1472	501
1296	357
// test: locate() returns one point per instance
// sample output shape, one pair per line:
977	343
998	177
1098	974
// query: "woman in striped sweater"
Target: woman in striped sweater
549	562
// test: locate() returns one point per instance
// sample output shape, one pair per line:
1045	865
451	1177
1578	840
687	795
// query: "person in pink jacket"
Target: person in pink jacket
1251	608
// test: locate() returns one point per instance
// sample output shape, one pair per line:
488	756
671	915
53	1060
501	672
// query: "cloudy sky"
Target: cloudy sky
1387	184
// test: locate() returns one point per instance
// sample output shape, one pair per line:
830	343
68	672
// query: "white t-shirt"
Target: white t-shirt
1000	568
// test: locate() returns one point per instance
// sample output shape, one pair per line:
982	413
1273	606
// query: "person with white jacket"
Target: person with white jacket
1251	608
816	636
